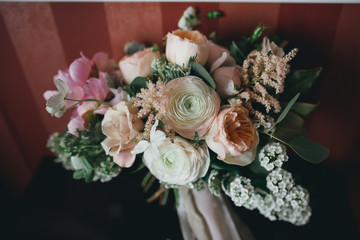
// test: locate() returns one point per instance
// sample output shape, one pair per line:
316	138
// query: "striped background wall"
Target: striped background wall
37	39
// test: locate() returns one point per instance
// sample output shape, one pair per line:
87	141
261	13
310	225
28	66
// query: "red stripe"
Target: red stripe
133	21
18	105
32	24
82	28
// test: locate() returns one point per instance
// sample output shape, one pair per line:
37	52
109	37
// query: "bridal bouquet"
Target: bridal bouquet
199	115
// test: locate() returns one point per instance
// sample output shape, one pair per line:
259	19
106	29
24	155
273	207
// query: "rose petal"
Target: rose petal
124	158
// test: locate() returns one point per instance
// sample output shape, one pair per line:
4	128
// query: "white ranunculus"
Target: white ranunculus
183	44
191	106
179	163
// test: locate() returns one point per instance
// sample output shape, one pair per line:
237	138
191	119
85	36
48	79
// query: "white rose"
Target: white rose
121	126
179	163
137	65
183	44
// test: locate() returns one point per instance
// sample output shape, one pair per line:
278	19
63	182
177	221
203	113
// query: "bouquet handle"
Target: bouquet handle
204	216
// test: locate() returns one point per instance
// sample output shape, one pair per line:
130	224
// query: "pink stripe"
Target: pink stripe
33	32
133	21
18	105
242	18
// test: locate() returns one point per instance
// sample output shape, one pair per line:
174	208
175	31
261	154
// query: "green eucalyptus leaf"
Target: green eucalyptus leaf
201	71
138	83
90	176
79	174
133	47
290	127
287	108
87	164
304	109
309	150
299	81
129	91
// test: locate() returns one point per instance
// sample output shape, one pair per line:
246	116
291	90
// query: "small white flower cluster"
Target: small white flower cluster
242	193
285	201
198	185
273	155
279	182
214	183
105	173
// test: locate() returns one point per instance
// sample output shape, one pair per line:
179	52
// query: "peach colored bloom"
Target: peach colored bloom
137	65
219	56
121	125
183	44
226	78
233	137
191	106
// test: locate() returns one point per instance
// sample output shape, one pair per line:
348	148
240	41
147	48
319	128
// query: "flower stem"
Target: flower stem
278	139
87	100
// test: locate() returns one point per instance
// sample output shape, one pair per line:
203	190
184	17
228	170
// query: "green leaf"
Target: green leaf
287	108
87	164
216	14
133	47
90	176
79	174
236	52
212	36
309	150
138	83
304	109
220	165
299	81
129	91
204	74
290	127
176	195
259	30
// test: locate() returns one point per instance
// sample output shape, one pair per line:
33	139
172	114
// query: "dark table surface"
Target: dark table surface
57	207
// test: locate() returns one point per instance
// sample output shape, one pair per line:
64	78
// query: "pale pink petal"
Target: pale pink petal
243	159
102	110
109	143
76	123
103	63
96	88
124	158
80	69
218	62
86	107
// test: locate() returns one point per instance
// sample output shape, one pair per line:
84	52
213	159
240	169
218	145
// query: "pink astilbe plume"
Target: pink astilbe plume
152	107
262	70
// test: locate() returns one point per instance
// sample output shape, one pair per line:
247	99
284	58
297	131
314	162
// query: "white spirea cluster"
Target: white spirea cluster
279	182
214	183
198	185
285	201
273	155
105	173
242	192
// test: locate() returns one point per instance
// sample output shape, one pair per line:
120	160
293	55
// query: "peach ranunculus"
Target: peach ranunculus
233	137
121	125
191	106
219	56
183	44
137	64
226	78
